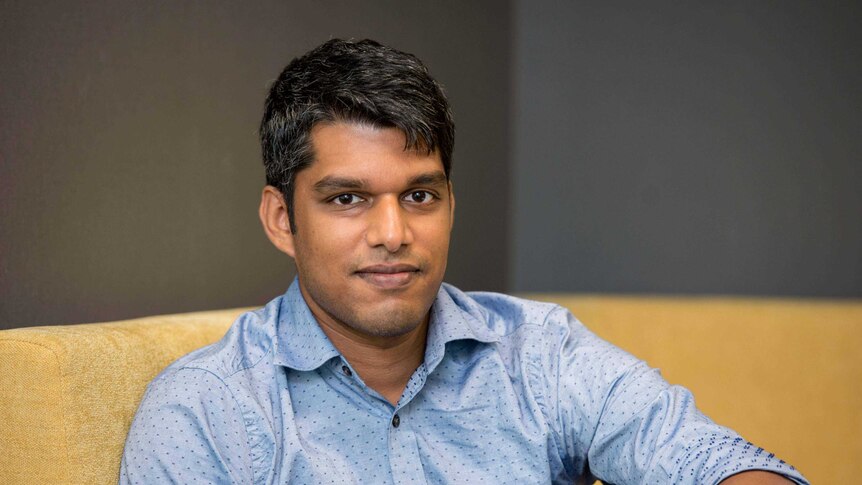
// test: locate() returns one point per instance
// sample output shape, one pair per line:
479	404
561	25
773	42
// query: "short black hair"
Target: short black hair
363	82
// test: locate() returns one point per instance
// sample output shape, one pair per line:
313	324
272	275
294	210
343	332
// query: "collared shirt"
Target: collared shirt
510	391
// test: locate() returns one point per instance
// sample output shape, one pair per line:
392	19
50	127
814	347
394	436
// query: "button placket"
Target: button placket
404	450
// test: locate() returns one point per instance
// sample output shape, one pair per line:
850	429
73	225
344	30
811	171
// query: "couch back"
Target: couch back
68	393
786	374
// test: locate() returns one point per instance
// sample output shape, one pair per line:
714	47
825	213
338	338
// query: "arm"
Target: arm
632	425
756	477
187	428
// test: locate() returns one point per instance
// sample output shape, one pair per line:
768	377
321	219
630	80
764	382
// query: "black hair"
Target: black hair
363	82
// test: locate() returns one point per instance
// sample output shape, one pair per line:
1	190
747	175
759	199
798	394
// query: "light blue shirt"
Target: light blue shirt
510	391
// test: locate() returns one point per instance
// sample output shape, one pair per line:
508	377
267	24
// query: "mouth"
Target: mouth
388	276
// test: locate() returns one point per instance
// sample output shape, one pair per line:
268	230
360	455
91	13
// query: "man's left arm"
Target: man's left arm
634	426
756	477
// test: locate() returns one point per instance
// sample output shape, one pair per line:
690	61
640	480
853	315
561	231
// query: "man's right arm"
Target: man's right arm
188	428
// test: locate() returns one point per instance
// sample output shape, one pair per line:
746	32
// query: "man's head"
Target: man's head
357	141
363	82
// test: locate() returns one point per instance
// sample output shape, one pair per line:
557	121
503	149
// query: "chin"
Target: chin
391	322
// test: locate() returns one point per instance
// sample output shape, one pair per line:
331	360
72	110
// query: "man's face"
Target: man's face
372	229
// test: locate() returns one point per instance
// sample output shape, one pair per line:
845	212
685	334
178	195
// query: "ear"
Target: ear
274	217
451	207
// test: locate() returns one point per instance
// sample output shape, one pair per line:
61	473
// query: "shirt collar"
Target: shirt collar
454	316
300	343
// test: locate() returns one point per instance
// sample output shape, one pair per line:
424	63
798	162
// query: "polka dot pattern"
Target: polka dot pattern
510	391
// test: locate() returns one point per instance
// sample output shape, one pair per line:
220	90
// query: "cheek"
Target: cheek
436	236
328	242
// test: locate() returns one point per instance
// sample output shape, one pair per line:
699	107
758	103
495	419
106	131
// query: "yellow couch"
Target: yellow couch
786	374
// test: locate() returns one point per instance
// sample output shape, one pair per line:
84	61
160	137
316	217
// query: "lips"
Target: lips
388	276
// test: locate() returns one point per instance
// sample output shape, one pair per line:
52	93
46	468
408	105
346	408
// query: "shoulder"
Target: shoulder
506	314
203	404
245	345
225	370
548	336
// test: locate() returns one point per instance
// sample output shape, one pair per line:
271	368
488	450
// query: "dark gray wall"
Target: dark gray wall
688	147
130	171
656	148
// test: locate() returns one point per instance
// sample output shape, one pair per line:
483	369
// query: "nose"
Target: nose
388	226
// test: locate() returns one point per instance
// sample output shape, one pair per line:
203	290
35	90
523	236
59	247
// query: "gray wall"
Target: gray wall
130	171
654	148
688	147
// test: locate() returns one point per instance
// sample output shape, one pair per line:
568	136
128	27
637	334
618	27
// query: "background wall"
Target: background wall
688	147
654	148
130	172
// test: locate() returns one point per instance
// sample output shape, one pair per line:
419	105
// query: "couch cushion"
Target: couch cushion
68	393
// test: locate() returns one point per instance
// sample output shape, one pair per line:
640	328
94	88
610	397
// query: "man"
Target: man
370	369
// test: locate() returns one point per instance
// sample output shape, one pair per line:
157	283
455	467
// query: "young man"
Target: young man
370	369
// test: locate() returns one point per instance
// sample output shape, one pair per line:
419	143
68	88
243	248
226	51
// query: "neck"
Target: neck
385	364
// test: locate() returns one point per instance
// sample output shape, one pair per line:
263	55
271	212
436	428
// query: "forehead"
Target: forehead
364	150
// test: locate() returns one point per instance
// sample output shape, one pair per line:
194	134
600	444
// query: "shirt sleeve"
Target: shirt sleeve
625	424
188	429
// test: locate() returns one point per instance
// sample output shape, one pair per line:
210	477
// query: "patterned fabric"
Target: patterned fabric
510	391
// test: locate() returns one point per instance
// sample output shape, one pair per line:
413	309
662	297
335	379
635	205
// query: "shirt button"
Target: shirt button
346	370
396	421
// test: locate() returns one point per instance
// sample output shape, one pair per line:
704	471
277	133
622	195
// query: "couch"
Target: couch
785	373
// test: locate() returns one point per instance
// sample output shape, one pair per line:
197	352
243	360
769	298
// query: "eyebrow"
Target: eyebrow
429	178
332	183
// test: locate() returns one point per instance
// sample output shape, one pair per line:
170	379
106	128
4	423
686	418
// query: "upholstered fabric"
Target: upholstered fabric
68	393
786	374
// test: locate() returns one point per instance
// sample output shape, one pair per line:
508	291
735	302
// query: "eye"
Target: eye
346	199
420	197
